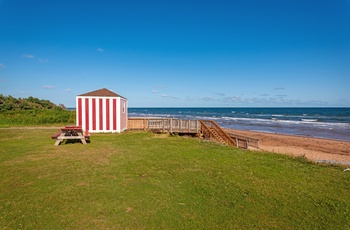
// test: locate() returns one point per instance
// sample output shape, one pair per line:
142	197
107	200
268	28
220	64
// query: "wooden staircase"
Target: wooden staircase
217	136
210	130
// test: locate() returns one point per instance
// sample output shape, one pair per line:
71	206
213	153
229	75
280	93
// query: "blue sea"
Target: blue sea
330	123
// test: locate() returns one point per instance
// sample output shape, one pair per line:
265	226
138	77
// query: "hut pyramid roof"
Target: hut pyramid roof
101	93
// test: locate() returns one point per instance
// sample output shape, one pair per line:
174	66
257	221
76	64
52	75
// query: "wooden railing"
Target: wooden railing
209	124
171	125
244	141
137	123
185	126
207	133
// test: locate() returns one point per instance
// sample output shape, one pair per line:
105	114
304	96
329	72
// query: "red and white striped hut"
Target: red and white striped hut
102	111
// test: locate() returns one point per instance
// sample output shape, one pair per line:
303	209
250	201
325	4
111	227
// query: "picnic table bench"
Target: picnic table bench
71	133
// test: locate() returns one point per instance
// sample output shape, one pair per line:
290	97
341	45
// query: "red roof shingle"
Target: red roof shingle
101	93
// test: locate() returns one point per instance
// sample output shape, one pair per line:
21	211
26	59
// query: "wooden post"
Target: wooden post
197	124
171	125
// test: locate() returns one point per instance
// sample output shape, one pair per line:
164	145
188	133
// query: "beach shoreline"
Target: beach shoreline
314	149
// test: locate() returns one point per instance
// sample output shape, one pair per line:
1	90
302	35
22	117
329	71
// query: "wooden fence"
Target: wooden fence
244	141
206	129
165	125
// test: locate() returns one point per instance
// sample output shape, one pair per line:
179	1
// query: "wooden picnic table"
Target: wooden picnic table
70	133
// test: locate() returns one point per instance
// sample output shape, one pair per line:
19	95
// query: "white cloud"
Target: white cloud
67	90
232	99
279	88
206	99
2	66
255	100
100	50
43	60
28	56
168	96
221	94
49	87
188	98
155	91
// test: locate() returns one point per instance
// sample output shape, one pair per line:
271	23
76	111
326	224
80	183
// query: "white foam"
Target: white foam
303	121
309	120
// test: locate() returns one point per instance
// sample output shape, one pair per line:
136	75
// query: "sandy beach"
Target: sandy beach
315	149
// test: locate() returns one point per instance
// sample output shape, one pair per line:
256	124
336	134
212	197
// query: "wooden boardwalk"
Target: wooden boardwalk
170	125
206	129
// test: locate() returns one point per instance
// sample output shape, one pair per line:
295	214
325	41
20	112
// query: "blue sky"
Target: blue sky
249	53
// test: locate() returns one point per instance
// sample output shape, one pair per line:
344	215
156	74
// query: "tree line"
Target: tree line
11	103
33	111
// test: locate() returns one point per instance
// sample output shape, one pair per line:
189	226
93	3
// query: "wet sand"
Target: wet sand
314	149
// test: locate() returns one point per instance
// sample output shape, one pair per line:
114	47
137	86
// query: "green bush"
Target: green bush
37	117
11	103
32	111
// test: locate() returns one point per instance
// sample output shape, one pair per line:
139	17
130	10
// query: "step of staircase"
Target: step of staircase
218	137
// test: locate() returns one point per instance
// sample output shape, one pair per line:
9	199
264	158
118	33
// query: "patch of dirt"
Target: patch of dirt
161	135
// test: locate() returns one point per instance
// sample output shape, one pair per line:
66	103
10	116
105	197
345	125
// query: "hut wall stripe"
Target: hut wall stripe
93	107
86	107
108	114
97	115
114	114
105	117
101	114
90	114
82	113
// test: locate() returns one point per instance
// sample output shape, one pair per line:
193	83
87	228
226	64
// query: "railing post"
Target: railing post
171	125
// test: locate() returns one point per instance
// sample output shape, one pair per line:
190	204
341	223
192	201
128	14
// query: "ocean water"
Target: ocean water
330	123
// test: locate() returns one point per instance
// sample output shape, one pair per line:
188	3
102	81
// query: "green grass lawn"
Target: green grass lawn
139	180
